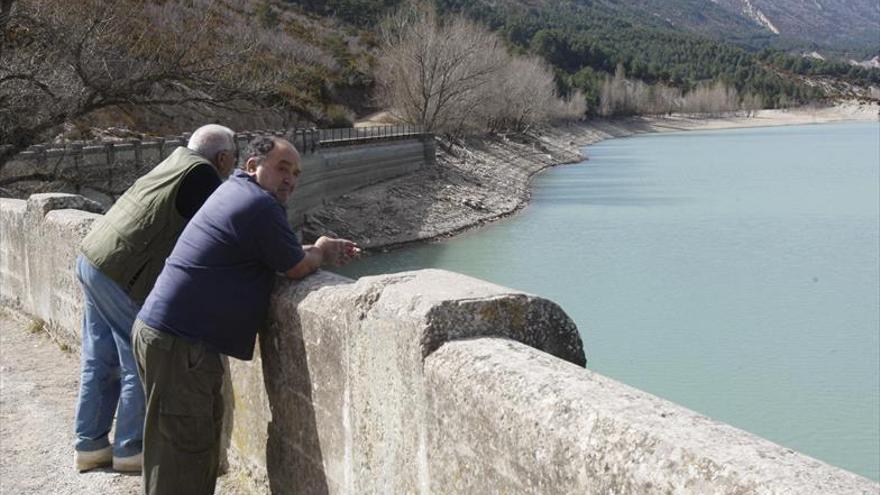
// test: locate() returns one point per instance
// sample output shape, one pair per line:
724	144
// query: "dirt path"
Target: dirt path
38	387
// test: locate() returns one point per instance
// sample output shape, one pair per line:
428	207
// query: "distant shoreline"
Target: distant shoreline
483	180
846	112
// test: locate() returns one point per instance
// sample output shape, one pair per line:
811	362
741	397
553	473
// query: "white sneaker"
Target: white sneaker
91	459
130	464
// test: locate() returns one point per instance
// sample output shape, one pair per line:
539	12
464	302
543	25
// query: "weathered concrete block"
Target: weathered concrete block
13	252
59	293
506	418
41	204
342	364
40	243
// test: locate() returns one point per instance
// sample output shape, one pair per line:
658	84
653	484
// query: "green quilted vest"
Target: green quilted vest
129	244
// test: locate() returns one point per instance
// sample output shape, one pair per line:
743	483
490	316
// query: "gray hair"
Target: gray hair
259	148
211	139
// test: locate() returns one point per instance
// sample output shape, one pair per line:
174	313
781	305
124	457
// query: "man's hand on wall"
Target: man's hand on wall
337	252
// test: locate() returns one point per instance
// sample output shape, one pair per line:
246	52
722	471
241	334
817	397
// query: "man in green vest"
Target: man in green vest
120	259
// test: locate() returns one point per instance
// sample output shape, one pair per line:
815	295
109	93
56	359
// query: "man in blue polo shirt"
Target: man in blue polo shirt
210	298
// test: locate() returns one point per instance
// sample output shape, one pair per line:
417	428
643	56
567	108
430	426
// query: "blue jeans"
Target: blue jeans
109	381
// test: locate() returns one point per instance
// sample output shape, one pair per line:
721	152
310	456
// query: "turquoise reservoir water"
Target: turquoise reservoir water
734	272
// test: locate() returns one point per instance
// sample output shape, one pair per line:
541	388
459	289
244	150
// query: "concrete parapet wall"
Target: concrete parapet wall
39	241
347	409
528	423
427	382
433	382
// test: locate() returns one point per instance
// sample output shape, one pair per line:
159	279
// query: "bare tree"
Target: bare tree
525	94
570	109
62	60
751	103
668	99
711	99
620	95
454	76
432	73
615	96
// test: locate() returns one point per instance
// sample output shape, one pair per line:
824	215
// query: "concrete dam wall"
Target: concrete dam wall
427	382
332	172
333	163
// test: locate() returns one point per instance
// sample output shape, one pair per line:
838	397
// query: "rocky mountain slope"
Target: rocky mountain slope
836	26
842	29
843	23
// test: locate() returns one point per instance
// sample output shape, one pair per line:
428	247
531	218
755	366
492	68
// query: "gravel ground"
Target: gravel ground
38	387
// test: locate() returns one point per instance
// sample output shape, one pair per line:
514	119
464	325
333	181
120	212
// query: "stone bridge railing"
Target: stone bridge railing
427	382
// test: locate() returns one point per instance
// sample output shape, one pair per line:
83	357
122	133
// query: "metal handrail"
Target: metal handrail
306	140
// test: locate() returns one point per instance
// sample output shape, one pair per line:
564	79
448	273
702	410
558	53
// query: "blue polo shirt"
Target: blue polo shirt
216	283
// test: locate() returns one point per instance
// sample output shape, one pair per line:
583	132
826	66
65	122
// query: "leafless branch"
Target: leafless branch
454	76
62	60
29	78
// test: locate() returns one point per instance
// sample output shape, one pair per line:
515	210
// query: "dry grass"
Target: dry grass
36	325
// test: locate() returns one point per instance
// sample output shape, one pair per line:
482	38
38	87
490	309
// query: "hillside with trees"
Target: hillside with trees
71	69
93	68
586	44
454	76
673	47
845	27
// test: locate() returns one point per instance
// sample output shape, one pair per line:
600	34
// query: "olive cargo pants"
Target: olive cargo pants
184	412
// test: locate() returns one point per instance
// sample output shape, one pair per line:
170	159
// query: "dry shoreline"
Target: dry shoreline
478	181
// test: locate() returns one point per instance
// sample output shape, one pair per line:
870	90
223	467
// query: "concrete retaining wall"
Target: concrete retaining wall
428	382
